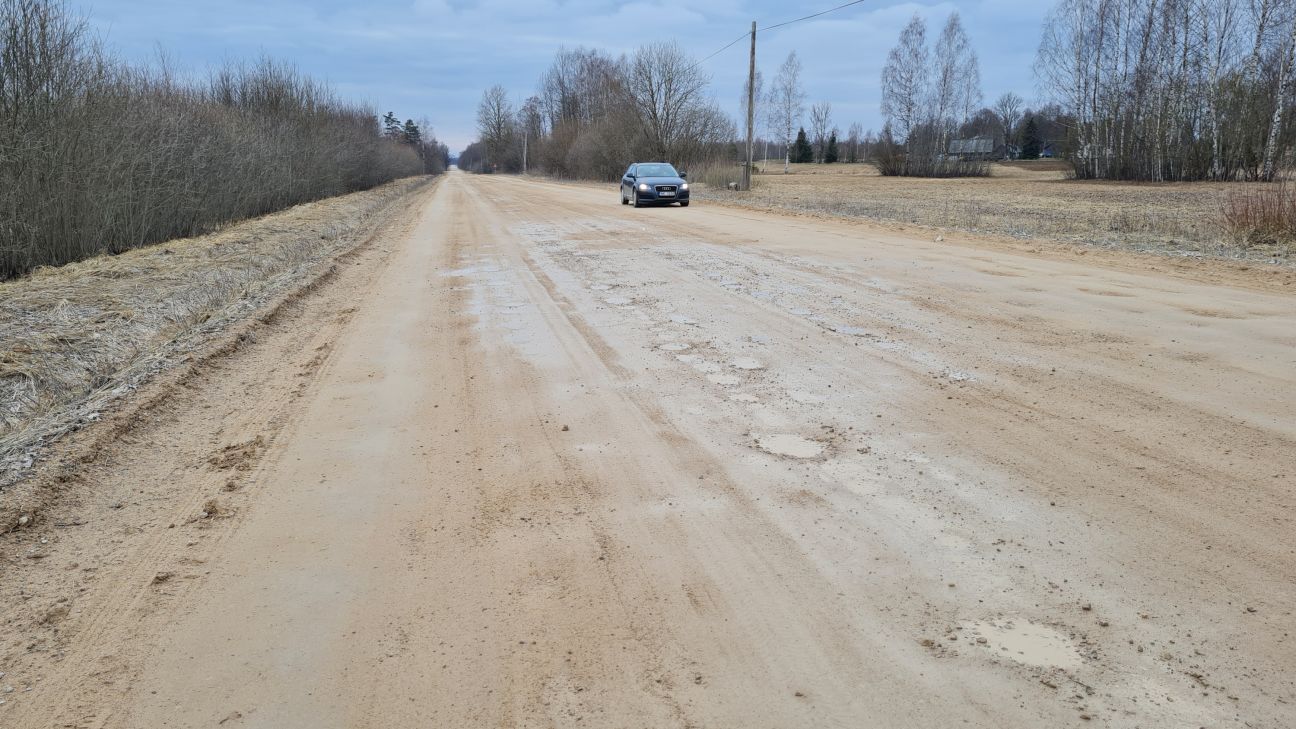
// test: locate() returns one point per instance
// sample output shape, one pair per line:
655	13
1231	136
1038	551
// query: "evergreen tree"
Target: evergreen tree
1031	142
802	151
392	126
830	151
411	133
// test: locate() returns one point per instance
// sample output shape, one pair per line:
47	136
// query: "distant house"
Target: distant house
981	147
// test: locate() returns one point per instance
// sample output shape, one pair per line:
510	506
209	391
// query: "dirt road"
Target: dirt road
538	460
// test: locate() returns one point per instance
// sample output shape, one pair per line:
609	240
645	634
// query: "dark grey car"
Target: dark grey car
653	183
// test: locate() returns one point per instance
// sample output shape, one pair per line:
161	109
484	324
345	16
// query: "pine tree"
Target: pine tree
1031	142
392	126
830	151
411	133
802	151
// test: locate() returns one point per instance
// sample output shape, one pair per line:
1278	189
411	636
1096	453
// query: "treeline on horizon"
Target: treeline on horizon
1156	90
98	155
593	113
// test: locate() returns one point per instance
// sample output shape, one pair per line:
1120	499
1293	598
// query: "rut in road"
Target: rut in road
567	464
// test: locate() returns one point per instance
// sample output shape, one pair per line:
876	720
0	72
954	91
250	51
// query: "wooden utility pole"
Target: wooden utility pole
751	108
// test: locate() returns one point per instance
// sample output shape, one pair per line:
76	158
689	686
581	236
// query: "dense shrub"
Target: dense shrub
1257	215
100	156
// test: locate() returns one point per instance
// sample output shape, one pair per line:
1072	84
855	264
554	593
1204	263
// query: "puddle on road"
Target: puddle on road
684	320
747	363
471	270
673	346
787	444
1025	642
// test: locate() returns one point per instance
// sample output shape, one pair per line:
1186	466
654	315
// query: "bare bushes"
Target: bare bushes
98	156
922	157
1260	215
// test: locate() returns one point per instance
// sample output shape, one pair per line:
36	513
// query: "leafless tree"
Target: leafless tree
1008	107
787	104
853	140
924	109
820	124
905	79
666	88
1172	89
496	127
956	84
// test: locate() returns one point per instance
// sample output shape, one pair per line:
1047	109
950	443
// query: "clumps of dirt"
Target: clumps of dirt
239	456
213	509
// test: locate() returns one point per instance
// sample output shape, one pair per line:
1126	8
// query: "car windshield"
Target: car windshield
661	170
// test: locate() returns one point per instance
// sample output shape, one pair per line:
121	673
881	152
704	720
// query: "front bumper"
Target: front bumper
652	196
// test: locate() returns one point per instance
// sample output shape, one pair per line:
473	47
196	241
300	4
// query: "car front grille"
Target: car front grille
665	188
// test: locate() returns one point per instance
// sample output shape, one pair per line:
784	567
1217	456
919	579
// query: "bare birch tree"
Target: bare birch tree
820	124
905	80
1172	89
787	104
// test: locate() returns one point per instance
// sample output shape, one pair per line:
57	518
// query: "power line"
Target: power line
807	17
726	47
742	37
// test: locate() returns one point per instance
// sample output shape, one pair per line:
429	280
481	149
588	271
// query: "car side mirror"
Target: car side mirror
683	175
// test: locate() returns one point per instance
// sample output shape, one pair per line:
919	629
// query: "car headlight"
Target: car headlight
643	187
684	186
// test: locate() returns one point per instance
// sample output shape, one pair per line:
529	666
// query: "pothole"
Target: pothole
1024	642
787	444
687	320
674	346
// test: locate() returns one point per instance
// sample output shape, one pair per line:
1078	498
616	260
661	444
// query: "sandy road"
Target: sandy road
544	461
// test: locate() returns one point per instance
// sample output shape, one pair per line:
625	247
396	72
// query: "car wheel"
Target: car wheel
636	199
624	201
684	204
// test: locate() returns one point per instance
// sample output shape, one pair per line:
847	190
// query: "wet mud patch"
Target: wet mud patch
1032	644
789	445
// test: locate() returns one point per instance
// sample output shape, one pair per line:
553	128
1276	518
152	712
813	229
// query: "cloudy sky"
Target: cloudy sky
433	57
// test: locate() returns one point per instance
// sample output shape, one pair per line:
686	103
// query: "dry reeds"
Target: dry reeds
1260	214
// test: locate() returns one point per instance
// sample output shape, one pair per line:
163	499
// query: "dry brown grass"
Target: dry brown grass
1028	200
1261	215
75	338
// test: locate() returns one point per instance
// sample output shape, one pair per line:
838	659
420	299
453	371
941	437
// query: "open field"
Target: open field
534	459
1029	200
